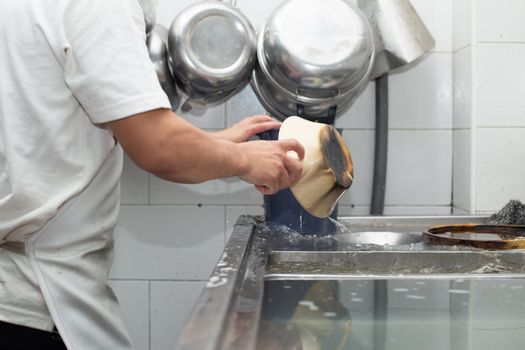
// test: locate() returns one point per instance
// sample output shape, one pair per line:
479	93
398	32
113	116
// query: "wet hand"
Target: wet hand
271	168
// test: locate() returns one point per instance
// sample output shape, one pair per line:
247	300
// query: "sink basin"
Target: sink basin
311	264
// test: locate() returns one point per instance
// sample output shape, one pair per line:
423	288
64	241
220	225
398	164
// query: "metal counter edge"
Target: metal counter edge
206	327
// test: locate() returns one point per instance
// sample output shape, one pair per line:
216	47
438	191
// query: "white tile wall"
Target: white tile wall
168	242
419	167
500	21
362	113
500	167
421	97
134	299
413	177
500	85
218	192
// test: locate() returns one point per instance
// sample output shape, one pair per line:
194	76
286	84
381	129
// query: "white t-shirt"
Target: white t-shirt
66	67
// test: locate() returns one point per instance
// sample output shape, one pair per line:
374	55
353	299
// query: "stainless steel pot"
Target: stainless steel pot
401	37
314	58
212	50
158	53
282	104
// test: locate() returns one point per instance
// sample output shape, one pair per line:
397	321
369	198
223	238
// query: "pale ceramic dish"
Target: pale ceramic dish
327	166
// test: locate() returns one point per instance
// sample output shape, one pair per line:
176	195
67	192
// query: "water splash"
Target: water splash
340	228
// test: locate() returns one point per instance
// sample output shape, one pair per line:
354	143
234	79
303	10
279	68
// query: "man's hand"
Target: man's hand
248	127
271	168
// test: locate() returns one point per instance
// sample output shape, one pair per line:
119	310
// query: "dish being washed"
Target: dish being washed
328	170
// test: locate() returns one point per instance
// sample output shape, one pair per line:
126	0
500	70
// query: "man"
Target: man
77	87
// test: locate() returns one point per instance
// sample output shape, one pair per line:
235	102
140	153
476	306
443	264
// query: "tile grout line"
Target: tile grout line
149	314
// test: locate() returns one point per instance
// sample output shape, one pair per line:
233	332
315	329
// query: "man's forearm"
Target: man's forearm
171	148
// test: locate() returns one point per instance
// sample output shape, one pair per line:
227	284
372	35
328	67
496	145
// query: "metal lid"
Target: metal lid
315	45
212	46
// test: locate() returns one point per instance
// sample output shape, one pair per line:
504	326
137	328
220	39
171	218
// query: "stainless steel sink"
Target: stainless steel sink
401	264
257	255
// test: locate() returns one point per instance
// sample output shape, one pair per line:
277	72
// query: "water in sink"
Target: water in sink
446	314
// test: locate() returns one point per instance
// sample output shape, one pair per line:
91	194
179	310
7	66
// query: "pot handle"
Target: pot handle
329	119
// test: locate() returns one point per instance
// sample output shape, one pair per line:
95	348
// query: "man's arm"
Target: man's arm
167	146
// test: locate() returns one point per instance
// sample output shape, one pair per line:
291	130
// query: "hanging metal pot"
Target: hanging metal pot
158	53
314	58
400	35
212	51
